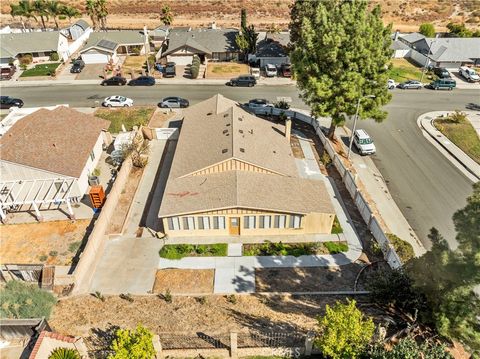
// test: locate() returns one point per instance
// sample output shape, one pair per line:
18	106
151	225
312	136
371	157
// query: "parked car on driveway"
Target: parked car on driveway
244	80
258	103
6	73
363	142
255	72
170	70
391	84
286	70
142	81
117	101
469	74
7	102
447	83
115	81
270	70
77	67
410	84
441	72
173	102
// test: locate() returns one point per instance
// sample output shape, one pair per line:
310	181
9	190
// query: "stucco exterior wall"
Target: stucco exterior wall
90	164
63	48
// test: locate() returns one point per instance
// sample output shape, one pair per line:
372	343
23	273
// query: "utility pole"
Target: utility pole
147	48
355	122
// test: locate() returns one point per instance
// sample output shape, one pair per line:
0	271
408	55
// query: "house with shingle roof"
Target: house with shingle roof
105	46
59	143
234	173
271	49
209	43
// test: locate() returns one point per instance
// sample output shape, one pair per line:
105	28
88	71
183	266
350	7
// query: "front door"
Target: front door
234	226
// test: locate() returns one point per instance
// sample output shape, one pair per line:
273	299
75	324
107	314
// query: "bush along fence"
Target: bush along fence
350	181
234	344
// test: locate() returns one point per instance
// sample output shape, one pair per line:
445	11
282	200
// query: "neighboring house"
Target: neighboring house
272	49
410	39
244	180
209	44
39	44
78	29
103	47
17	336
400	49
49	155
48	341
159	35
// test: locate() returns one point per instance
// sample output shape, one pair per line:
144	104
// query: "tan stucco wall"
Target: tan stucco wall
312	223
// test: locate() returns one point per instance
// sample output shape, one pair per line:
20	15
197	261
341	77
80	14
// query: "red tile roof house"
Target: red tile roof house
48	341
62	146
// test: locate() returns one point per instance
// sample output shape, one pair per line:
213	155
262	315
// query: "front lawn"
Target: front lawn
403	70
460	131
228	70
293	249
134	64
41	70
178	251
128	116
336	227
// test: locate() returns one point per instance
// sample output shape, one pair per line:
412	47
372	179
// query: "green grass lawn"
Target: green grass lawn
462	134
41	70
178	251
293	249
129	117
336	228
403	249
403	70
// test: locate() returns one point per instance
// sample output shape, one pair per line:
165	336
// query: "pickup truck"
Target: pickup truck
469	74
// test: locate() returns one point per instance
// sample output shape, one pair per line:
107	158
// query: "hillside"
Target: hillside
405	15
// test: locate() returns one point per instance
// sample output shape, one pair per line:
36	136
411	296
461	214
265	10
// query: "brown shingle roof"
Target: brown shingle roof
58	140
201	144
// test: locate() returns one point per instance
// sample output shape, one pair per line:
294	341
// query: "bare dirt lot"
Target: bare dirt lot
53	243
406	15
160	118
184	281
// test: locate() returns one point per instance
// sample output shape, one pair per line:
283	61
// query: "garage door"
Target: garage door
95	58
180	60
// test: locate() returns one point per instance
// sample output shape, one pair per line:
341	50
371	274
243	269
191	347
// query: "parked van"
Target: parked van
449	84
255	72
363	142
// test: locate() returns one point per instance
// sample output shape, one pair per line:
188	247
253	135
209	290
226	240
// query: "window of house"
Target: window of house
265	222
280	221
295	221
188	223
173	223
218	222
249	222
203	222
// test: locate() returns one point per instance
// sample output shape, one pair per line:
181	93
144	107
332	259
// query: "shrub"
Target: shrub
74	246
128	297
22	300
133	344
64	353
167	297
99	295
403	249
202	300
53	253
54	56
26	59
336	227
284	105
457	117
232	298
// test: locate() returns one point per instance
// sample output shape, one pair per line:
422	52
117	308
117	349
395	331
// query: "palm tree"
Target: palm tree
69	11
24	9
91	7
102	13
40	8
64	353
54	9
166	16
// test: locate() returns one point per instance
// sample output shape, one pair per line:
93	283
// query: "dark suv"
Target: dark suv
170	70
7	102
441	72
142	81
77	67
115	81
244	80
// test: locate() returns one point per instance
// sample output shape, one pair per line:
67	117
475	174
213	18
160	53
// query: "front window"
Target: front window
173	223
249	222
365	141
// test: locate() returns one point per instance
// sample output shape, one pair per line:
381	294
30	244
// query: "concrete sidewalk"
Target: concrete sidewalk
377	190
459	158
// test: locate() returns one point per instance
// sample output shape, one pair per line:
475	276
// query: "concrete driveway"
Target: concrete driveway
461	82
91	72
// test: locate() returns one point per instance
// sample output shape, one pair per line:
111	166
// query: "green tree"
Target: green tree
64	353
54	8
340	52
22	300
242	43
458	30
243	21
166	15
102	13
343	331
24	9
133	344
41	10
70	12
427	29
91	9
408	348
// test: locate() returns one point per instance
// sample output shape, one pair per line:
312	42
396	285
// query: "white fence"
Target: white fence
349	180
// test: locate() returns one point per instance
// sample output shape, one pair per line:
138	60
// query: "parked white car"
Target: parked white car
258	103
270	70
391	84
255	72
117	101
363	142
469	74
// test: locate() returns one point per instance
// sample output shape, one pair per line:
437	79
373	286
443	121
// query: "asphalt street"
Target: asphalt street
426	186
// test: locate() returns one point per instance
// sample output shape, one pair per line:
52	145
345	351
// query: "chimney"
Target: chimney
395	36
288	128
213	26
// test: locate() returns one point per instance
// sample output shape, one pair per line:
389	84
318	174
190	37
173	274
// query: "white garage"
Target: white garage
95	57
180	60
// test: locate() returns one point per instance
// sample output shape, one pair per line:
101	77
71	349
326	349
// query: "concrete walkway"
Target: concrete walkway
459	158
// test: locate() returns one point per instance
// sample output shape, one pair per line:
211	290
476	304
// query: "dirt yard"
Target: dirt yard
53	243
184	281
125	200
226	70
133	65
160	118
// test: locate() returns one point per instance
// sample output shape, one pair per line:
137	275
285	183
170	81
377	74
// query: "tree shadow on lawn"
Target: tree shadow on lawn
98	343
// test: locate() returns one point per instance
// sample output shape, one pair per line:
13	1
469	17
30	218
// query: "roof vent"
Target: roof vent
209	114
240	119
226	115
241	131
225	132
224	150
228	124
242	149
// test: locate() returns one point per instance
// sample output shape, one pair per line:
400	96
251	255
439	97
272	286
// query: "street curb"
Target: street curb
421	123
